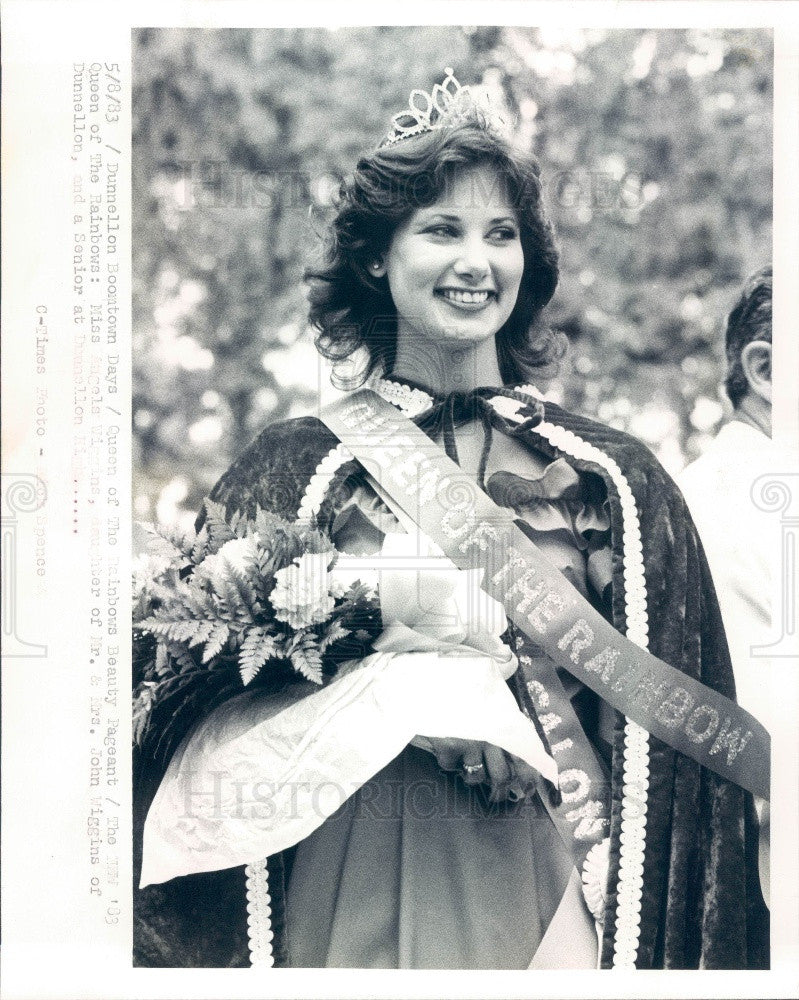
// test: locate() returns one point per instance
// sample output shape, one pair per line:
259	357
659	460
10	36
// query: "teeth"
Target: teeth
456	296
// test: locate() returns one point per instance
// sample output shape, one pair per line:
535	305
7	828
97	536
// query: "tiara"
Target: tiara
446	105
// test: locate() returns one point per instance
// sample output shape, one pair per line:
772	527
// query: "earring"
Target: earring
376	265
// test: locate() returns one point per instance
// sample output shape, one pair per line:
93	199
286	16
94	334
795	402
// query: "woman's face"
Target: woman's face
454	268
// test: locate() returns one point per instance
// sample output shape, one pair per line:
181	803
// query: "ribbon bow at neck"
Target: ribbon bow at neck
456	409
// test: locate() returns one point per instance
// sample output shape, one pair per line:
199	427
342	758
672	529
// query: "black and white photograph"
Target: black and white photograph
548	250
400	477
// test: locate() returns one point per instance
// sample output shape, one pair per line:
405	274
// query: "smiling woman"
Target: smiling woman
454	270
421	227
449	851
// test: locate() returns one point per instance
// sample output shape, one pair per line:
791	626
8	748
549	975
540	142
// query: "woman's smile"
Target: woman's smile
464	299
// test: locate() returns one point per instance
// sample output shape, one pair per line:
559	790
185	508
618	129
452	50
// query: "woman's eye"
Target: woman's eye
500	234
443	230
503	233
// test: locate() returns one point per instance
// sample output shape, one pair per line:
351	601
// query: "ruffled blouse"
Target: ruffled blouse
564	512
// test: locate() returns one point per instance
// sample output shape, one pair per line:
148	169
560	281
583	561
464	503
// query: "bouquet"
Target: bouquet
244	602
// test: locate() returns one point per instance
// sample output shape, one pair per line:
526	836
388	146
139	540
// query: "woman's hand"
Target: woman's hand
478	763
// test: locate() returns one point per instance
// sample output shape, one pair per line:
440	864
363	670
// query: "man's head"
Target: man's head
748	341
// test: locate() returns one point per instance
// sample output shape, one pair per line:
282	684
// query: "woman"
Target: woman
440	263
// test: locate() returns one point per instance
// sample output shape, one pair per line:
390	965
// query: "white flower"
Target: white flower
302	593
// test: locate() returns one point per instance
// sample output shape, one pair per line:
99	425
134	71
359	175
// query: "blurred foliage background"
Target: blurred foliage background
656	152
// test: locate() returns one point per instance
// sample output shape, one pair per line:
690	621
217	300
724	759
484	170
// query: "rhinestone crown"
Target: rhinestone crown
446	105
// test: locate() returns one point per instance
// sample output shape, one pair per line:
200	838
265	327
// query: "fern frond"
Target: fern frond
264	568
181	630
219	531
240	525
334	633
200	548
143	701
162	665
200	603
181	656
265	522
182	542
305	656
243	582
231	608
256	649
216	641
202	634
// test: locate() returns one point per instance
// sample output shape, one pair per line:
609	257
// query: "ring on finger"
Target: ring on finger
472	768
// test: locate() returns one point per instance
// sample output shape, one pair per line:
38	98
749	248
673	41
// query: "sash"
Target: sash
473	531
580	811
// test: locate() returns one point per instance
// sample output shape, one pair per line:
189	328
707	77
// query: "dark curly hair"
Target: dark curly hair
350	309
749	320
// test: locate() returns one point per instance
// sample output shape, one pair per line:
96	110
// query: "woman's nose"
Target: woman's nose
473	263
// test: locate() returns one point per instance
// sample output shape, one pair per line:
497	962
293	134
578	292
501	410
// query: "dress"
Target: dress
693	899
419	871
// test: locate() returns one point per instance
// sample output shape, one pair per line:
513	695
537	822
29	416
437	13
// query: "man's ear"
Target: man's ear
756	364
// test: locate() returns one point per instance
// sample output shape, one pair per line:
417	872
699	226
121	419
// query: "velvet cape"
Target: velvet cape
701	904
